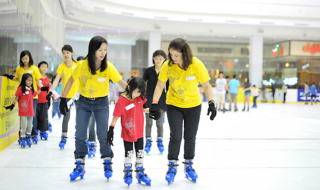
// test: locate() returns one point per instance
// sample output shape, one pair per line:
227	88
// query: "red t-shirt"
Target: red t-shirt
25	102
43	94
132	117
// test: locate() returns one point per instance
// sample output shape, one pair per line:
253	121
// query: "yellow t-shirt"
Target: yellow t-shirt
183	85
34	71
95	86
66	73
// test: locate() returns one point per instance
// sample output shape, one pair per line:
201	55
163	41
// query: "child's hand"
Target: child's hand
10	107
110	136
146	110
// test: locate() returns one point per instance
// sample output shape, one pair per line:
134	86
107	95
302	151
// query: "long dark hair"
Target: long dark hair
182	46
161	53
22	54
94	45
68	48
134	83
23	85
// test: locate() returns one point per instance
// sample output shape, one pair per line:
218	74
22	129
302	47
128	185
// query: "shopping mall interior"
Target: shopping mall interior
270	42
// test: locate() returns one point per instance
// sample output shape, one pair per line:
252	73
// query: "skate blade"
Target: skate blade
191	180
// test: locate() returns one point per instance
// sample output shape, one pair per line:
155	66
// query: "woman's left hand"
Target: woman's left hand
212	110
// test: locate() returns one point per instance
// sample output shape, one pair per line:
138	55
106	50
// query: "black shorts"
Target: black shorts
313	96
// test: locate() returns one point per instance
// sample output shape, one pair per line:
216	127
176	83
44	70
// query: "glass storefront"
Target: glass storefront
23	28
229	58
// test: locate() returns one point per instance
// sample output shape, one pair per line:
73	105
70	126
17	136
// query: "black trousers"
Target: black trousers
284	96
42	117
138	146
190	118
255	100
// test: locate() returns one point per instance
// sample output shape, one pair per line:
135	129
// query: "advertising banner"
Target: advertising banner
9	120
302	97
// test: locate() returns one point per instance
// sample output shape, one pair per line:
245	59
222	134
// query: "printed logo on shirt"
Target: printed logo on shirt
103	75
31	71
74	67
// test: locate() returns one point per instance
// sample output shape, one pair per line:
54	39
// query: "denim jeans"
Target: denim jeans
55	107
34	122
92	131
85	108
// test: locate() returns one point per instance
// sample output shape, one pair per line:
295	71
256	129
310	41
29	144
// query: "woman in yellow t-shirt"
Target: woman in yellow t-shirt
64	72
183	103
26	66
93	74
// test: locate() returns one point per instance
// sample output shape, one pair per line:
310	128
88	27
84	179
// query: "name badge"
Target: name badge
191	78
26	92
130	106
74	67
31	71
101	79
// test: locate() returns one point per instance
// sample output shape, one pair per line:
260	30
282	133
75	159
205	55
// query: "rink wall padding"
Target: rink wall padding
9	120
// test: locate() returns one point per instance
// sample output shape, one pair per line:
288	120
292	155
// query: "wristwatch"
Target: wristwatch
211	102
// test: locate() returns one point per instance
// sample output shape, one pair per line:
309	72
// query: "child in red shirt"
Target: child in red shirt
43	104
130	107
25	94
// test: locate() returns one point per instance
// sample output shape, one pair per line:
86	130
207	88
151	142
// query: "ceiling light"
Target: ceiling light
287	64
247	65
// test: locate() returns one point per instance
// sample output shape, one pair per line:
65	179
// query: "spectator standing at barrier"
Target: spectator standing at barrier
227	89
255	96
306	91
284	88
247	94
263	92
313	92
233	85
221	84
273	91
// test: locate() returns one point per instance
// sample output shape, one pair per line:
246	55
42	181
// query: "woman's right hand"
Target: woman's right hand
154	112
63	106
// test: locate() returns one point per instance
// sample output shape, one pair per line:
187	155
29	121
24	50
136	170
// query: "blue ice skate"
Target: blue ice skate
141	176
23	142
160	145
189	171
35	140
107	168
28	140
50	127
92	150
44	135
127	175
63	142
75	134
148	145
171	173
78	171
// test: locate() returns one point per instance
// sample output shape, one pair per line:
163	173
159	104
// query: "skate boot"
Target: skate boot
235	109
160	145
79	170
23	142
248	109
29	143
127	174
244	109
189	171
148	145
50	127
63	142
43	135
172	171
35	140
229	108
107	167
92	150
141	176
19	140
53	115
75	134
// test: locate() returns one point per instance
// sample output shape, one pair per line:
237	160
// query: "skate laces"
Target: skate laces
79	165
148	143
159	142
140	170
172	169
189	167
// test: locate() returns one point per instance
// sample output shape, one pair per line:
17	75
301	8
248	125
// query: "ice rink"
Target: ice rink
274	147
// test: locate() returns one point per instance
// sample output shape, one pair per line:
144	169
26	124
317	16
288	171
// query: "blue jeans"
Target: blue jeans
55	107
92	131
34	122
100	108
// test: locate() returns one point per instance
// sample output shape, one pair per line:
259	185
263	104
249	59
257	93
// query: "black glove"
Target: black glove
48	97
9	107
63	106
154	112
213	110
49	103
45	88
110	136
9	76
